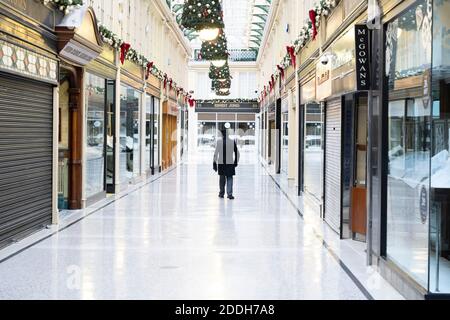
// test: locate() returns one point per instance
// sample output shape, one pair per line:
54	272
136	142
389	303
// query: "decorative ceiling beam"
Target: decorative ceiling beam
258	31
263	7
263	17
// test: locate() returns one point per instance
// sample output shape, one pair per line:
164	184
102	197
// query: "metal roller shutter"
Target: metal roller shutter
333	165
26	128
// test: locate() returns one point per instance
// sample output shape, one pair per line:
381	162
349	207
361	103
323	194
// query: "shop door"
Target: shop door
359	190
110	127
285	144
272	142
165	142
332	171
26	153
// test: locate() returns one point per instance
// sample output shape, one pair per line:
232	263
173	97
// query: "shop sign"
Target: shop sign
323	80
35	10
362	57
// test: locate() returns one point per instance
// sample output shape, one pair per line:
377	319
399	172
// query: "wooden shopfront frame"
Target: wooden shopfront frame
169	135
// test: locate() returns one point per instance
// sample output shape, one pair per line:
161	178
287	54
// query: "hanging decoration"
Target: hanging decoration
313	17
148	70
216	49
226	92
322	9
191	102
216	84
66	6
165	81
219	73
292	56
202	14
124	48
281	70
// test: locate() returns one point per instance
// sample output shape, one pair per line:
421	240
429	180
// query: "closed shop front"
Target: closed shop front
26	152
333	163
27	118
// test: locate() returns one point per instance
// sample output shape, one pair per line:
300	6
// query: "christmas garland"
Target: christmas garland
216	84
130	54
223	93
214	101
201	14
219	73
216	49
65	6
307	33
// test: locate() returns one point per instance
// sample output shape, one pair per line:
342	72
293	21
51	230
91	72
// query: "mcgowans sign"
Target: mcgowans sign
362	57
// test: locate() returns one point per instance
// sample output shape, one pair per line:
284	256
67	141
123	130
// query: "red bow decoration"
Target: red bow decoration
191	102
273	81
149	68
165	81
291	52
281	71
170	83
124	48
313	17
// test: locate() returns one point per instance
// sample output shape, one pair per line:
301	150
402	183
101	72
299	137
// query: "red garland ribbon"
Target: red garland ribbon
281	71
291	52
313	17
170	83
165	81
191	102
149	68
124	48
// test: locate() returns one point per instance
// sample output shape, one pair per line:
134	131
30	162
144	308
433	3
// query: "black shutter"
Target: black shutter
26	129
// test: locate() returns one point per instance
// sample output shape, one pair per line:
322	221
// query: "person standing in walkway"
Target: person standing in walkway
226	159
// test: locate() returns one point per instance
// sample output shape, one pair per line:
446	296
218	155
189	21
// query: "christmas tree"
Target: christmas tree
219	73
201	14
216	49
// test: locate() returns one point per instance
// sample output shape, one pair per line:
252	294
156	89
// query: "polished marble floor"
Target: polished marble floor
175	239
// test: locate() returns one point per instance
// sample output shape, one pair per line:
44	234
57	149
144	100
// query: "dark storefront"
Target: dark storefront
28	76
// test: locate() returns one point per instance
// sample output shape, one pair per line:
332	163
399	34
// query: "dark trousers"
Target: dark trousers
229	181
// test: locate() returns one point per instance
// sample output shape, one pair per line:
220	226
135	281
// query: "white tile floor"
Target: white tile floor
175	239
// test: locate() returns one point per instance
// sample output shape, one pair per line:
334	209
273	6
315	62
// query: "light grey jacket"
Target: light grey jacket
230	150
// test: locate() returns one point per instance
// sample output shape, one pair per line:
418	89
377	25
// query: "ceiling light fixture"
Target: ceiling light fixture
218	63
209	34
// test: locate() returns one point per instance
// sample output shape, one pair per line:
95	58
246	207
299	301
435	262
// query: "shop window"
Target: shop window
129	134
95	135
440	154
407	69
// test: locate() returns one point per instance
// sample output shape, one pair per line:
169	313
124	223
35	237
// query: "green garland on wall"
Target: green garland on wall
65	6
200	14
